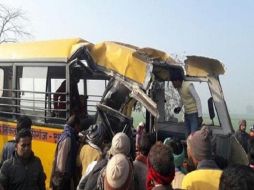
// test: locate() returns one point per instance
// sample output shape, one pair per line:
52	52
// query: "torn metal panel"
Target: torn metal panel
128	61
128	107
118	58
139	95
146	101
202	66
116	95
150	54
164	70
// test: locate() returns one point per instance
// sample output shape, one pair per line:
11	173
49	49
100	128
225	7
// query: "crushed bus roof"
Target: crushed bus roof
127	60
122	59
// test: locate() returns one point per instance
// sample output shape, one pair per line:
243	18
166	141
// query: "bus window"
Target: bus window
173	99
32	86
54	89
204	94
95	90
56	77
6	92
55	86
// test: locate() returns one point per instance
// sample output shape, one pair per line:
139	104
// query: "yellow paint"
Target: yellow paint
196	66
127	60
45	151
118	58
41	50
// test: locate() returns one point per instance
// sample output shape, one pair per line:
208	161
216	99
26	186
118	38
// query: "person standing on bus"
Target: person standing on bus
64	166
23	122
191	102
23	171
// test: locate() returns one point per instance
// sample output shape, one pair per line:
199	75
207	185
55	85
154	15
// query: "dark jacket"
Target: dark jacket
243	138
140	171
90	181
8	150
62	179
19	174
207	164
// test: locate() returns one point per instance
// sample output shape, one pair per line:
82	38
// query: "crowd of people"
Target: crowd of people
167	165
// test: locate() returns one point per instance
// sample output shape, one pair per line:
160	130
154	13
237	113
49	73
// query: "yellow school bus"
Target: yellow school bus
114	76
32	72
30	75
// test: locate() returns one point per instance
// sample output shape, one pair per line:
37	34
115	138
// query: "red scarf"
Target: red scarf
142	159
153	176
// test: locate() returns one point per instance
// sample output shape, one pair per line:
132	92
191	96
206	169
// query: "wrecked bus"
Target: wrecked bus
114	77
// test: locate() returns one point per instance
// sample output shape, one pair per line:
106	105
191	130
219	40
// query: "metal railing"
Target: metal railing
41	110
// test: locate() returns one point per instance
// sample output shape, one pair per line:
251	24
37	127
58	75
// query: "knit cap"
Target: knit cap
120	144
118	173
200	144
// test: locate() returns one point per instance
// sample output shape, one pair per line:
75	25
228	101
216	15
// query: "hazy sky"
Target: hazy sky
213	28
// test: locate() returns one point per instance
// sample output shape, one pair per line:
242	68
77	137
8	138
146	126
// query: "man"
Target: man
118	173
191	102
120	145
64	166
87	155
207	175
23	171
237	177
140	163
241	135
23	122
161	168
179	156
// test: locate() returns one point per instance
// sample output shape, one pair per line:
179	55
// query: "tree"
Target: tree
11	27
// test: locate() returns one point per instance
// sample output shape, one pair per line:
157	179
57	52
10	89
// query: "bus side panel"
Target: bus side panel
44	146
7	132
45	151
